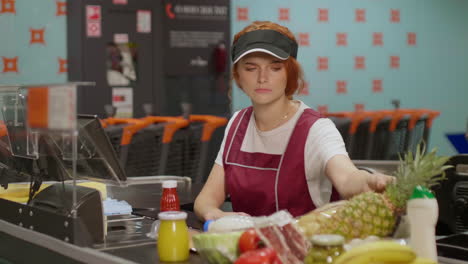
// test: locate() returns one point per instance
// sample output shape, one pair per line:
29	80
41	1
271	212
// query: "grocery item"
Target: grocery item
249	240
373	213
170	199
218	247
419	260
229	223
173	237
377	252
423	211
325	249
259	256
279	233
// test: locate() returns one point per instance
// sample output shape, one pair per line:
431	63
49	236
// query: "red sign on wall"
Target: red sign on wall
93	21
120	2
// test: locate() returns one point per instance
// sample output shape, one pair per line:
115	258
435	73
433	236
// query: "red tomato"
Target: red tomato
249	240
259	256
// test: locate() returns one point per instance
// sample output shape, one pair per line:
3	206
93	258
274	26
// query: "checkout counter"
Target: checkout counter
62	224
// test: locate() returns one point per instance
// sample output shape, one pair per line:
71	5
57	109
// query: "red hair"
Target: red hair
295	76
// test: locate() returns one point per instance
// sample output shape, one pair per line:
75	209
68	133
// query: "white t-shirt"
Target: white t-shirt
323	142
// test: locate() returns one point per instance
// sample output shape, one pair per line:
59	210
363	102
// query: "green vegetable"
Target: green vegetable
218	247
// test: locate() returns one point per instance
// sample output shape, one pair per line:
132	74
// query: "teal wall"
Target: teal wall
432	73
37	61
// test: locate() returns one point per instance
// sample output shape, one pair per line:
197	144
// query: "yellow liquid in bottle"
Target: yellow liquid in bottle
173	241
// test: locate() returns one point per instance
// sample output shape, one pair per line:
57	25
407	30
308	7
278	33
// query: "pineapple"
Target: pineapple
372	213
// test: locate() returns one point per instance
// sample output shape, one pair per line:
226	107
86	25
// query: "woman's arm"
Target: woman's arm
212	196
349	180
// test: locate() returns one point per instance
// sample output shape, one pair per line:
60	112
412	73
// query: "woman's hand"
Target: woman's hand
377	181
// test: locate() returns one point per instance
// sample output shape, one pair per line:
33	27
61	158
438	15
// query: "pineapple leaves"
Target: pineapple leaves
420	168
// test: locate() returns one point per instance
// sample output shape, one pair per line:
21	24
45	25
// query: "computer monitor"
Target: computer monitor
96	159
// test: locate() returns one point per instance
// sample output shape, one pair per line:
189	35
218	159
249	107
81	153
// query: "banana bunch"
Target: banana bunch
381	252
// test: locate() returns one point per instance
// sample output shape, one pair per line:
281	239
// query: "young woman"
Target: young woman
278	153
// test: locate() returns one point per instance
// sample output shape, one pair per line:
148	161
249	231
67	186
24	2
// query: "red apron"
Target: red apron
261	184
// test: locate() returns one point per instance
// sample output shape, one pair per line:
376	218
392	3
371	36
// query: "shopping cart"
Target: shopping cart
157	149
199	136
354	129
120	132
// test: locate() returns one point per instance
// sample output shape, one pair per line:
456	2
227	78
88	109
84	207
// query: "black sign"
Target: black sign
197	34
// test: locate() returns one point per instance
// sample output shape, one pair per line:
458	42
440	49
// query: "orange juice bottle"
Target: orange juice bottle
173	237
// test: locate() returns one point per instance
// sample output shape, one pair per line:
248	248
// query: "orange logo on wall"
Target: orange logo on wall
63	65
359	62
377	86
242	14
7	6
341	39
341	87
322	63
61	8
323	15
411	39
303	39
360	15
377	39
37	36
394	62
10	64
283	14
358	107
305	89
322	109
395	15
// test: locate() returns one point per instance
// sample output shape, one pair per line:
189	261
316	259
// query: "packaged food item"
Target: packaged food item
218	248
325	249
228	223
169	199
173	237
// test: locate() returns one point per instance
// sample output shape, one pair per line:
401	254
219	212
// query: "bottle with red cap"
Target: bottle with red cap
169	199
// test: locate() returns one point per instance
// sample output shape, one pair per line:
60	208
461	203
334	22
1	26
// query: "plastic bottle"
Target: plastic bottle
169	199
423	211
173	237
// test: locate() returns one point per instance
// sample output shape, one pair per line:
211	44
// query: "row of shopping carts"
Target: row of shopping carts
163	145
383	134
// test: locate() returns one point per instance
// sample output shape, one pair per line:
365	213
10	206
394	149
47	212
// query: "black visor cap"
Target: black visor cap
269	41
